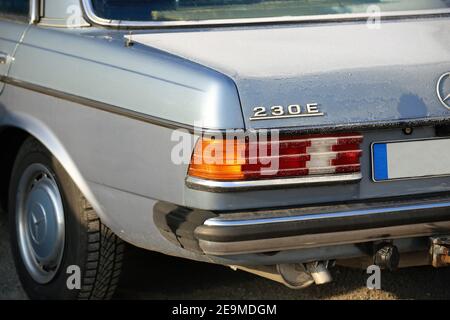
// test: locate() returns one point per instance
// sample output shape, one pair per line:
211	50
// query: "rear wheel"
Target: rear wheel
61	248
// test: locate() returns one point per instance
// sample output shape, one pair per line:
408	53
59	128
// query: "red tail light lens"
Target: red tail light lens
288	156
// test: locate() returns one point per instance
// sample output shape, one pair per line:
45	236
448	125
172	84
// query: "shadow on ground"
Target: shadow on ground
154	276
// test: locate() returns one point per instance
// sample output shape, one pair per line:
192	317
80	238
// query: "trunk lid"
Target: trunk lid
356	75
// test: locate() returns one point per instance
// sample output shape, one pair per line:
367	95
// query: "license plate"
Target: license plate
411	159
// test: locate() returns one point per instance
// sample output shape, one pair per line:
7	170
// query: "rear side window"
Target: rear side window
14	9
197	10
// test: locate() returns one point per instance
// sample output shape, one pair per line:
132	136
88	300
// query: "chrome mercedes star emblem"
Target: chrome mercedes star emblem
443	90
38	224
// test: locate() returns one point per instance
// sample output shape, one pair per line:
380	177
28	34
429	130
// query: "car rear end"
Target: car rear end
344	150
351	196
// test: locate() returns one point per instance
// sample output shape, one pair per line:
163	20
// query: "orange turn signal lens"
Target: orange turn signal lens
218	159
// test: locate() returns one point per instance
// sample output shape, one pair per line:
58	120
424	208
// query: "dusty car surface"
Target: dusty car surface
276	137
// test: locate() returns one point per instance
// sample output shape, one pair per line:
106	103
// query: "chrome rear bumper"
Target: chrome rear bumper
278	230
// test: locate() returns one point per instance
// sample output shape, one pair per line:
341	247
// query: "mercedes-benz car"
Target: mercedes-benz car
278	137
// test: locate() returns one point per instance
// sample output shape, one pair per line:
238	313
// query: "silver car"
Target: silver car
279	137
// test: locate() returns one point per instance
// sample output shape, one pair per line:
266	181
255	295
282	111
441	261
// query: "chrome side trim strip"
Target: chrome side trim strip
176	125
219	222
222	186
323	239
97	105
91	16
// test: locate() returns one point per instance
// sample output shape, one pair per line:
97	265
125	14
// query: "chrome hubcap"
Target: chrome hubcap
40	223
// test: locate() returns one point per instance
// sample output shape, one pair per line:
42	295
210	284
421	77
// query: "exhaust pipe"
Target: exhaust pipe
319	272
293	275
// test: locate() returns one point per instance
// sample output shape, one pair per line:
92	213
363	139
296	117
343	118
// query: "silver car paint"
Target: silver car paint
139	80
90	145
354	73
123	165
59	9
10	35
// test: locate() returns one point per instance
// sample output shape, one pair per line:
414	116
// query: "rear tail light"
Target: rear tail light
286	157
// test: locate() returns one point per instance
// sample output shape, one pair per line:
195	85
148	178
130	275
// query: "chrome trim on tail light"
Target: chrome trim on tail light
228	186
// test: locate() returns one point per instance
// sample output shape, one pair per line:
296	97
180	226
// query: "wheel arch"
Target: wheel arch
15	129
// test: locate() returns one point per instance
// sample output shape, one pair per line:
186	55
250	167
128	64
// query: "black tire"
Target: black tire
89	244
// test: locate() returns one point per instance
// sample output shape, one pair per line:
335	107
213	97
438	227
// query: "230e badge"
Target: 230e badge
282	112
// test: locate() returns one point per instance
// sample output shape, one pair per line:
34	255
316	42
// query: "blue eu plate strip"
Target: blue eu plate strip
380	161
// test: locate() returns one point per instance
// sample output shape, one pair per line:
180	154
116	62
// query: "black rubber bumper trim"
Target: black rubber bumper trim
319	226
